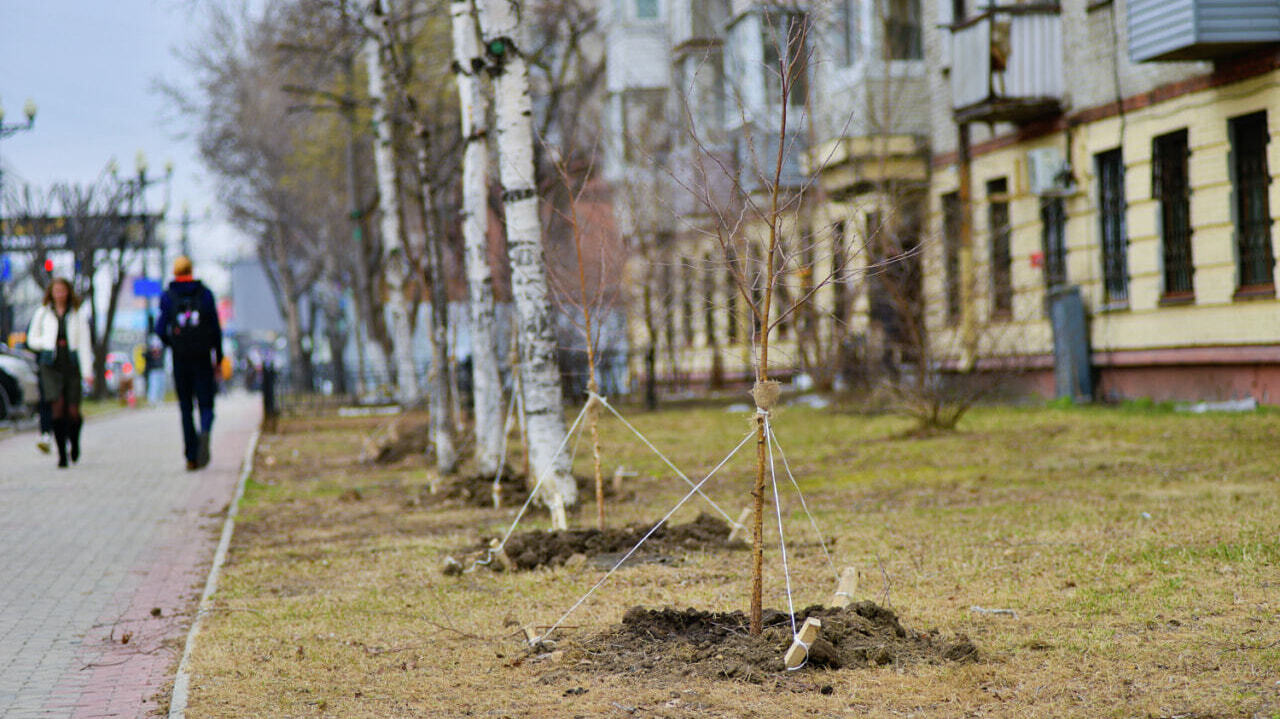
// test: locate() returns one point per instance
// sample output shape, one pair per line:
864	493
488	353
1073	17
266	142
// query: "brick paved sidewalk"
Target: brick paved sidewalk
116	547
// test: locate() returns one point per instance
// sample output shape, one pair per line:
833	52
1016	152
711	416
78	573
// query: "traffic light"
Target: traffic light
48	266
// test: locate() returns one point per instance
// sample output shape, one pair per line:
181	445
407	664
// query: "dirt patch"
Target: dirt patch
530	550
718	646
477	491
398	440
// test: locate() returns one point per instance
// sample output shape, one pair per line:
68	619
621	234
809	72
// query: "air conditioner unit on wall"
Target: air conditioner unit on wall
1049	173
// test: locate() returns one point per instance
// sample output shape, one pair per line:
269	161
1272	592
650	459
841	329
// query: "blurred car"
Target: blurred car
119	368
19	384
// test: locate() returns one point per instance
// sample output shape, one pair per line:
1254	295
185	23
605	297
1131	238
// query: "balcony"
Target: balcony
1007	65
850	165
1169	30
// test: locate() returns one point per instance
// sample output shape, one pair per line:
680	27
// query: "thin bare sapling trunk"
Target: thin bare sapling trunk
586	305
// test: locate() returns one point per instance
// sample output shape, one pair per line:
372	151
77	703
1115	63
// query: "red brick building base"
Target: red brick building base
1187	374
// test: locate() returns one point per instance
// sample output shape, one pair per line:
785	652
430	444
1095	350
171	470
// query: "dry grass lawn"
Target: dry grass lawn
1138	549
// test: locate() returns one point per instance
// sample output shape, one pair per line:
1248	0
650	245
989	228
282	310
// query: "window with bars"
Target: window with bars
904	30
667	287
951	254
709	299
1249	138
848	21
686	301
839	283
1001	258
643	120
787	32
1170	187
782	302
731	304
1111	227
1053	218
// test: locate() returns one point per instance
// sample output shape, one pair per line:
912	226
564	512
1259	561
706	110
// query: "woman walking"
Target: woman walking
59	333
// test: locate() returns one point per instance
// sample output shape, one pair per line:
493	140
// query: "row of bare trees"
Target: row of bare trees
398	101
333	129
100	224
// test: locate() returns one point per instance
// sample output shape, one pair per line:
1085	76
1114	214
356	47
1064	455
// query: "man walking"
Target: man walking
189	325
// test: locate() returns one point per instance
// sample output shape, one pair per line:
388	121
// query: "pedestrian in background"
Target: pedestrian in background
59	334
189	326
155	371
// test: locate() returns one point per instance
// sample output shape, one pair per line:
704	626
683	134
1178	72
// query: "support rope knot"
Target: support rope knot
796	641
765	395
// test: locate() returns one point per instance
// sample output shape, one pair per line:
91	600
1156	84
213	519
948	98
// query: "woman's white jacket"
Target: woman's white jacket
43	335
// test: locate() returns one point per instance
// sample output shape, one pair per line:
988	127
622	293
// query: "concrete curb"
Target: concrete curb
182	682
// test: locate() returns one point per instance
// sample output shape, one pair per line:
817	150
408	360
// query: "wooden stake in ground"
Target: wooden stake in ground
798	653
847	587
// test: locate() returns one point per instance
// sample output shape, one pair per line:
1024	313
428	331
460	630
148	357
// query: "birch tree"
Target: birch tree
544	418
399	71
486	381
395	264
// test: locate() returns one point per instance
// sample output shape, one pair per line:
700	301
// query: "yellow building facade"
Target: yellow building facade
1164	205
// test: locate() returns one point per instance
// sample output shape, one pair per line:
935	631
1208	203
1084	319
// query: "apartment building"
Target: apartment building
1121	147
713	103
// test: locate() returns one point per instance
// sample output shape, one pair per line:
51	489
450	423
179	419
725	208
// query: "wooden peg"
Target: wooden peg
799	651
497	495
500	554
558	519
620	474
847	587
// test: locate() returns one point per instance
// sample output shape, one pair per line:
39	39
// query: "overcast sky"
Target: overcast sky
91	66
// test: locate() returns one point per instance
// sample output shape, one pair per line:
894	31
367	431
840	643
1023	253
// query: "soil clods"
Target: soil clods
718	645
476	490
530	550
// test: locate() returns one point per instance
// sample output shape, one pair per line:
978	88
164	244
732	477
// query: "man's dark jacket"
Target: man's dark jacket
189	288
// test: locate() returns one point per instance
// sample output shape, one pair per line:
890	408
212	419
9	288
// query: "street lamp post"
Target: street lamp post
138	201
6	318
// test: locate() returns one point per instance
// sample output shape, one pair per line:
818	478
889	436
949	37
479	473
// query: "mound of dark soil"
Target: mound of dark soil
529	550
717	645
477	490
401	440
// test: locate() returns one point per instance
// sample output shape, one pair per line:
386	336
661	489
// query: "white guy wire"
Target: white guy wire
532	493
502	464
777	507
663	457
812	522
696	489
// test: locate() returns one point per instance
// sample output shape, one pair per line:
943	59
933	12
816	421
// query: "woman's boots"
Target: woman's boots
67	431
60	439
73	434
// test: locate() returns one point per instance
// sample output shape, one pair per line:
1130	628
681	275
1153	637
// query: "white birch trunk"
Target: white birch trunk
544	413
439	399
486	382
395	264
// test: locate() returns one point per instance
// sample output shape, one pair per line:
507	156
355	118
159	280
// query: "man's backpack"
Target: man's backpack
189	334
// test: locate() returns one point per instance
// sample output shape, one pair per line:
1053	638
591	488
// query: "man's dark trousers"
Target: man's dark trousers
194	380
